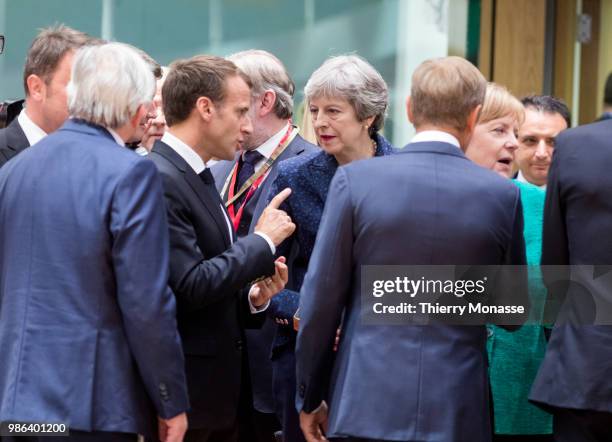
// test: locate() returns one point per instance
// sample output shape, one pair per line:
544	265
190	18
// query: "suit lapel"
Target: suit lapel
211	199
207	194
16	139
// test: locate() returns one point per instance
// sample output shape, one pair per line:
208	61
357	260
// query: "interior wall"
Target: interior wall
519	42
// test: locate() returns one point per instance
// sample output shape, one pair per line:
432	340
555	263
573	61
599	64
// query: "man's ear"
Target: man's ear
473	118
37	89
265	103
205	108
409	110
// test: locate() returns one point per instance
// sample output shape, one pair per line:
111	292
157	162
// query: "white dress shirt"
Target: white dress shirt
435	135
31	130
520	177
116	137
267	148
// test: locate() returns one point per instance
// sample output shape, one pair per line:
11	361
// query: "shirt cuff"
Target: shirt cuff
268	240
261	308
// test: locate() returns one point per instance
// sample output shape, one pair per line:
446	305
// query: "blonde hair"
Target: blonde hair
444	91
499	103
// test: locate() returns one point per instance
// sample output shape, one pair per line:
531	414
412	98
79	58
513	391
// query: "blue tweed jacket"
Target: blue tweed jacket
308	176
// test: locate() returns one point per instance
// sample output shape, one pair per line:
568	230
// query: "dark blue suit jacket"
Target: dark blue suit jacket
259	342
577	367
309	177
88	334
12	141
427	205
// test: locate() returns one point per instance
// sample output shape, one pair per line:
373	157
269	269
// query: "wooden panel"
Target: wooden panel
518	61
486	38
565	32
589	66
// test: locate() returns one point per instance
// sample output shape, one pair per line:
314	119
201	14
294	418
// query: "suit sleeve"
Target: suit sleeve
324	295
140	256
555	248
512	283
199	281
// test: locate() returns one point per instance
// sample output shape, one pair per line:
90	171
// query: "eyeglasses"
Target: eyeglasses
1	43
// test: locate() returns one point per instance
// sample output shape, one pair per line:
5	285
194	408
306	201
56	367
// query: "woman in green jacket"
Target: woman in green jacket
514	357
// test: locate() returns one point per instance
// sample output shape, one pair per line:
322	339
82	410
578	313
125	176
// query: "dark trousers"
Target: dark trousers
284	395
205	435
76	436
581	425
258	426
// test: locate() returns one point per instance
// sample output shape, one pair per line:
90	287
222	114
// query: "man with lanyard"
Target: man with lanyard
244	183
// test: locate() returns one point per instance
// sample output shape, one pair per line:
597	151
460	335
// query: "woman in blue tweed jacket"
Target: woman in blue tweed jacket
347	100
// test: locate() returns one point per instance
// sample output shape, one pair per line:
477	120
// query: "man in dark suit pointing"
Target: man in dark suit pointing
206	101
272	140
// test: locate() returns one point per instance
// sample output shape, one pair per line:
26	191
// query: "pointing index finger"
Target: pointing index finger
280	198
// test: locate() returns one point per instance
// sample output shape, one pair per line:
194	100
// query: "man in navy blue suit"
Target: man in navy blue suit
88	334
272	140
574	379
406	382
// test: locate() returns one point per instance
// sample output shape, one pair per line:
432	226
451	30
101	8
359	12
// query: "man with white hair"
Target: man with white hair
88	334
272	140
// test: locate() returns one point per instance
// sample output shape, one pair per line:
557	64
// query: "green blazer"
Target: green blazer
514	358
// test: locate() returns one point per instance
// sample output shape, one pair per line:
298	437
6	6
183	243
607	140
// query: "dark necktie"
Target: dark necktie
207	177
246	167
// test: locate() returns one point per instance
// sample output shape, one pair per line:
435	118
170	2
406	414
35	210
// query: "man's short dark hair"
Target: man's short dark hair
608	90
188	80
48	49
549	105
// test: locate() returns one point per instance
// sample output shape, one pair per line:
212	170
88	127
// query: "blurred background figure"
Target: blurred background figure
45	77
156	123
244	183
348	101
135	142
545	118
514	357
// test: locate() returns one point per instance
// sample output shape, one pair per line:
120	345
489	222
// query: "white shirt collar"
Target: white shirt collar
116	136
435	135
272	143
32	131
521	178
185	151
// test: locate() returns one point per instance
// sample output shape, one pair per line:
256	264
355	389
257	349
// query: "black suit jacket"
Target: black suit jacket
208	275
12	141
260	341
577	367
